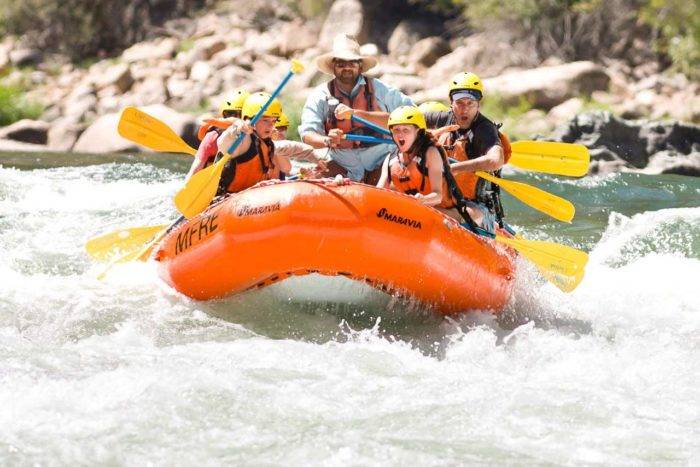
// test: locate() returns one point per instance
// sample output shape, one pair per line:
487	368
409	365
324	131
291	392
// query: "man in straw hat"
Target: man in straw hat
327	113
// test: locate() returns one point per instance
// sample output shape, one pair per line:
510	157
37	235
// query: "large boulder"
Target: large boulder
102	135
26	131
296	36
487	54
426	52
632	144
151	51
118	75
668	162
63	134
344	17
548	86
405	35
151	91
8	145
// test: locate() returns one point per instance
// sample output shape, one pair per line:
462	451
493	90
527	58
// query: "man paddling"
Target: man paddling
326	116
474	142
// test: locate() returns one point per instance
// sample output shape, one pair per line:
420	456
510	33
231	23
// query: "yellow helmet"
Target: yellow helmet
407	115
254	103
467	81
282	121
433	106
234	101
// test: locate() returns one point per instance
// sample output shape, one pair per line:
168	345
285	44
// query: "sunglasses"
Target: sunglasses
346	63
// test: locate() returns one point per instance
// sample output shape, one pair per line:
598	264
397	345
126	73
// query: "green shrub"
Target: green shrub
14	106
82	28
676	32
292	109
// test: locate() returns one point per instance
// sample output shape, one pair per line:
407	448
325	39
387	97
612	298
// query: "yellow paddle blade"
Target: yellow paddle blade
550	204
562	282
120	242
560	264
571	160
143	129
200	189
296	67
140	254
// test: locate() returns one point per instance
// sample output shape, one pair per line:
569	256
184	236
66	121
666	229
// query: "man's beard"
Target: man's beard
347	77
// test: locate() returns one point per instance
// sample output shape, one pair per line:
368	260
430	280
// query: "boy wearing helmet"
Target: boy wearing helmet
472	140
208	133
254	160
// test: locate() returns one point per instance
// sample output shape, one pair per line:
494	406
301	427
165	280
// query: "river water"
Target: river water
125	371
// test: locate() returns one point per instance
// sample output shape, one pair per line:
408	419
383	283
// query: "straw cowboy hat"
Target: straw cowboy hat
344	48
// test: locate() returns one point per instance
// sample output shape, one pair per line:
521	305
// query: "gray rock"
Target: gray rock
8	145
405	35
427	51
25	56
295	37
661	147
102	136
344	17
151	91
81	108
63	134
151	51
118	75
548	86
26	131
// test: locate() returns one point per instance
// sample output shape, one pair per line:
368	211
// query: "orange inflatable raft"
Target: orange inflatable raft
268	233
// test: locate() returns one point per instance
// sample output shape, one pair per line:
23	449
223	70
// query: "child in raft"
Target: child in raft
417	165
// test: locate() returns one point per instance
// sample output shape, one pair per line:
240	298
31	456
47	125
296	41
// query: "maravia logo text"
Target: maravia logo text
247	210
386	215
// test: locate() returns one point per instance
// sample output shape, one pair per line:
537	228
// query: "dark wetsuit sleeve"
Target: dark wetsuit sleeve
485	137
438	119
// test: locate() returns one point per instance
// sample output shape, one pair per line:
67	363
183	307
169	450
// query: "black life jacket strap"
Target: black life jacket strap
460	202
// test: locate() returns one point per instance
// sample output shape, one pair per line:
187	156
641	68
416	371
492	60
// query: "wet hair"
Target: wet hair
422	142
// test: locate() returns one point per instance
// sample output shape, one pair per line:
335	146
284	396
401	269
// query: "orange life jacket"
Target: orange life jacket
363	100
212	124
413	178
468	181
251	167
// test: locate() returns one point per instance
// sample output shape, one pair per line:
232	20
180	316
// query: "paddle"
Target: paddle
367	139
136	254
120	242
201	188
148	131
571	160
371	125
550	204
561	265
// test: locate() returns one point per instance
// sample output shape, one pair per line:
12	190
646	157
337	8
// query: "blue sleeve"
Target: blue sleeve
389	97
314	113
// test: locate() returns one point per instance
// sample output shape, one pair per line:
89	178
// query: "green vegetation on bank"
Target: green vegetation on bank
292	109
15	106
592	29
82	29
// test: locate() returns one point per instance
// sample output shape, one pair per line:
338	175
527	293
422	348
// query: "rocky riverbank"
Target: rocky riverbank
184	73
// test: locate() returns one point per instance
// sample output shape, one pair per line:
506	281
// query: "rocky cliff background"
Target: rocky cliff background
620	76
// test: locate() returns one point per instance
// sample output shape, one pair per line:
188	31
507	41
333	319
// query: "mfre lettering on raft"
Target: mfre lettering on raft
386	215
247	210
205	226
